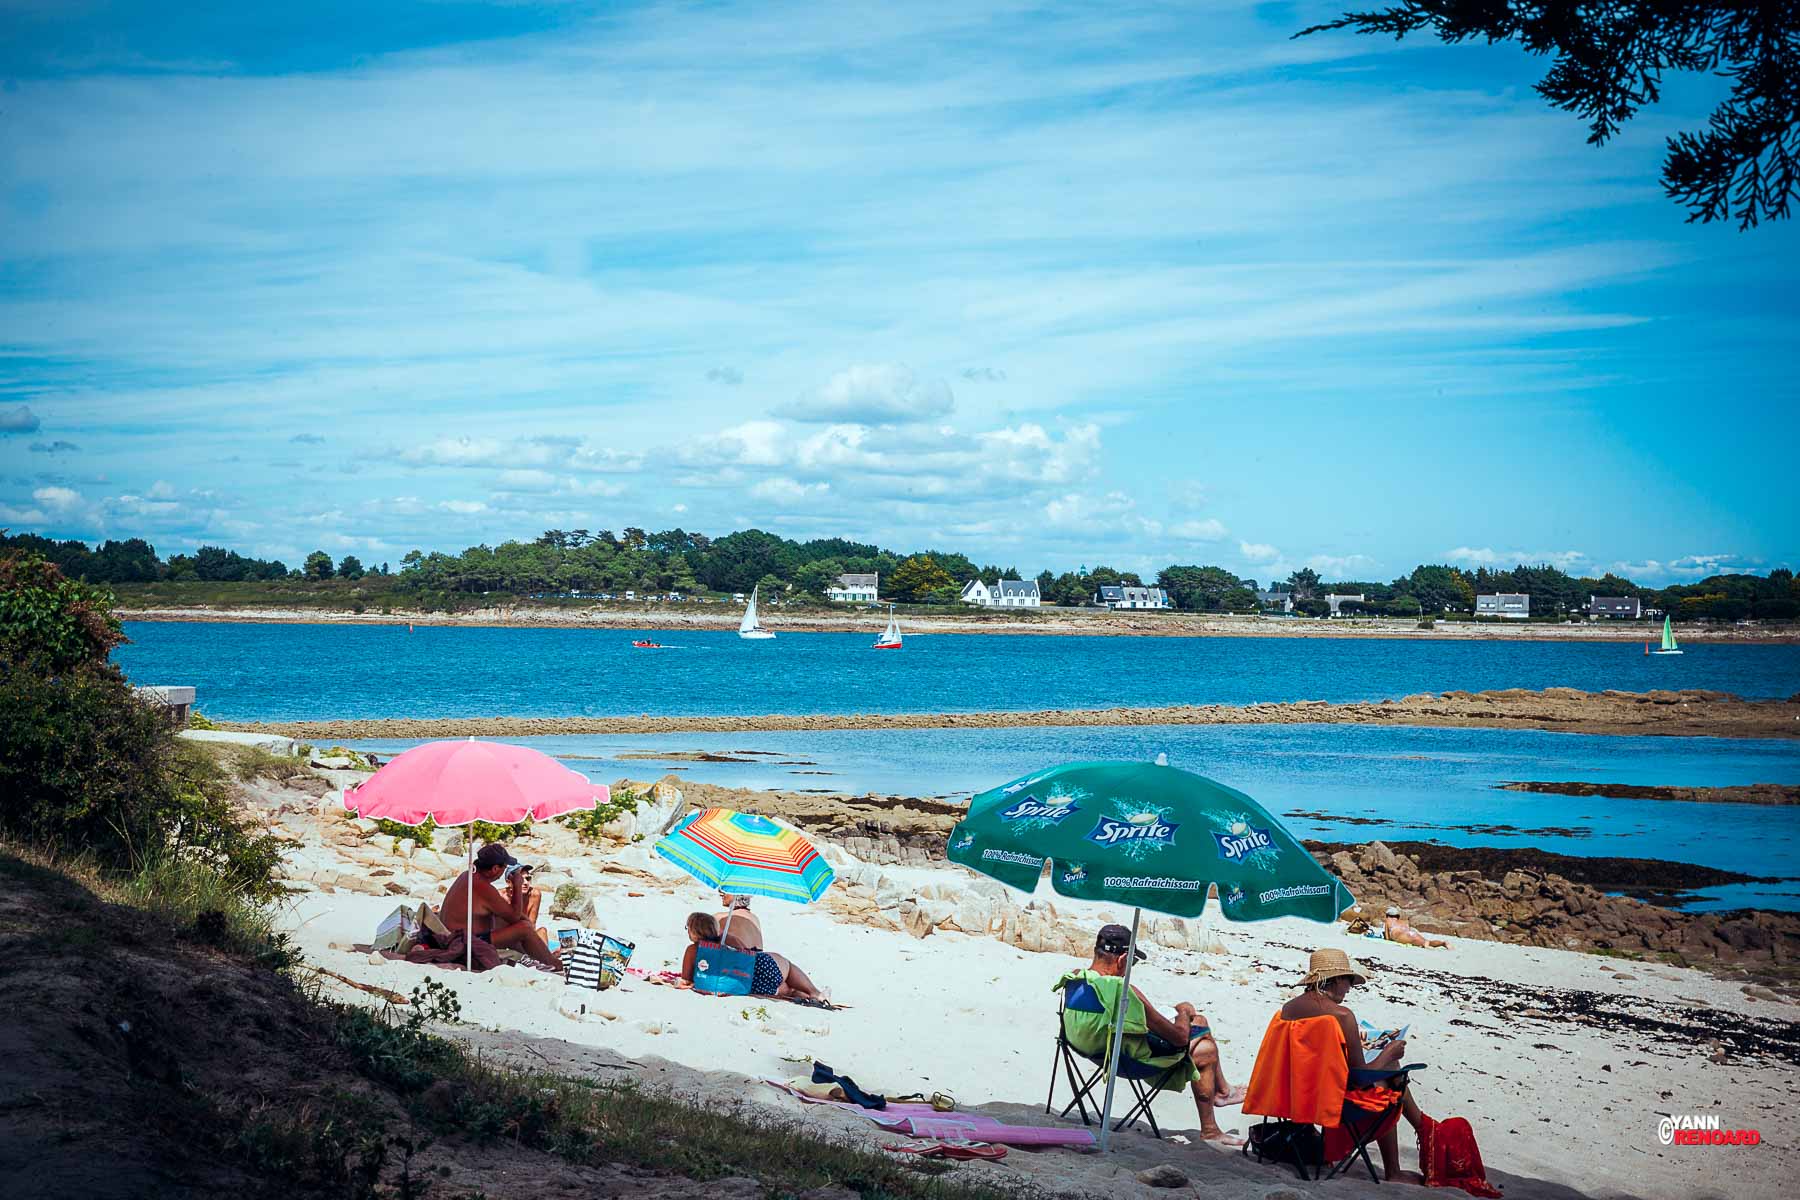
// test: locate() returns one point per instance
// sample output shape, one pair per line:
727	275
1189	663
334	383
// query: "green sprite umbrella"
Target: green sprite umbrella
1147	835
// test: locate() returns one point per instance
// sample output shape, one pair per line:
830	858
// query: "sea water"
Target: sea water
270	672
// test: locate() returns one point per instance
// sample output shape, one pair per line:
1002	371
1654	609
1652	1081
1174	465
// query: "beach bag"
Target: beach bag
596	961
1286	1142
1449	1157
398	931
723	972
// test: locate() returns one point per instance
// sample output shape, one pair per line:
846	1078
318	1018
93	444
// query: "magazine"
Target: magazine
1376	1040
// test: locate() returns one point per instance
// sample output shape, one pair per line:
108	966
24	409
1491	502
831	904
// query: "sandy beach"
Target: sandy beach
1517	1038
1066	622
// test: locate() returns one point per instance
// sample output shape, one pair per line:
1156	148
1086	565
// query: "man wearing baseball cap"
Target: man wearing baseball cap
1164	1037
504	921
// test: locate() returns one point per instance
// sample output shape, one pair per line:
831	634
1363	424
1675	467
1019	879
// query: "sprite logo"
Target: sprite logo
1137	829
965	841
1050	812
1075	874
1243	840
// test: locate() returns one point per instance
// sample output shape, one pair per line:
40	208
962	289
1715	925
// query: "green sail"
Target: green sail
1668	636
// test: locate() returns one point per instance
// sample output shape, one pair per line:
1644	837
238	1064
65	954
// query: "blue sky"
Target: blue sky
1050	284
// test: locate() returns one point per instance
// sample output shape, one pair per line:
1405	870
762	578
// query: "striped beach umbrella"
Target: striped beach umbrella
747	854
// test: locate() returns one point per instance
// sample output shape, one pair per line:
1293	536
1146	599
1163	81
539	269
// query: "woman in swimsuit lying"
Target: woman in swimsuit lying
773	976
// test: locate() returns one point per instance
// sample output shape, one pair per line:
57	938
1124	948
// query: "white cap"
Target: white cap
1392	911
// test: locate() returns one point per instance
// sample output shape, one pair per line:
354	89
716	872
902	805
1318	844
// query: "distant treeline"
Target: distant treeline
560	562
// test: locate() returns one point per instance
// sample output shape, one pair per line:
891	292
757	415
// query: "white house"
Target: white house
1514	606
1125	596
1334	600
1008	593
853	589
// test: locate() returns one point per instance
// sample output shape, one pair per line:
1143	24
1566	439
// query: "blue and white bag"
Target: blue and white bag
723	972
595	960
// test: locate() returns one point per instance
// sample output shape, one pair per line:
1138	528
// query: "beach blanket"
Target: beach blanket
952	1149
923	1121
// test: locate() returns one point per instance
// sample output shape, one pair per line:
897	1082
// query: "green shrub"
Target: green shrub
420	833
198	720
51	623
568	898
486	831
590	823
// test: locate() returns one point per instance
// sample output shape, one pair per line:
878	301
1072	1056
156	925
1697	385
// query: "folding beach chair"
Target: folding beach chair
1303	1086
1145	1079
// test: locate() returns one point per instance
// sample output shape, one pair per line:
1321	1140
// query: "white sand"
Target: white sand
1559	1108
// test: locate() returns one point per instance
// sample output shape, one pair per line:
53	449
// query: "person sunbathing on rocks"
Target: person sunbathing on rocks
1188	1028
505	921
1399	929
773	975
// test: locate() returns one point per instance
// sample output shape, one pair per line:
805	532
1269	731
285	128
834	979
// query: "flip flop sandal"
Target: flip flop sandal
943	1102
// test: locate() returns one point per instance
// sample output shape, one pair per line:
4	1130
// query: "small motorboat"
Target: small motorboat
648	645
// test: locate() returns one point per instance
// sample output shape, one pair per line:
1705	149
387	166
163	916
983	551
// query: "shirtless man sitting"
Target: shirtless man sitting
506	921
1399	929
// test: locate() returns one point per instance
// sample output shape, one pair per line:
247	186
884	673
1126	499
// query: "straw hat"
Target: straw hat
1329	964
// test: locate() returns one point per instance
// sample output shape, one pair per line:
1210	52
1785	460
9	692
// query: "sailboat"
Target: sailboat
890	637
748	627
1668	642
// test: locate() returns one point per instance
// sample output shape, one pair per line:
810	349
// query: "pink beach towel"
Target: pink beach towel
921	1120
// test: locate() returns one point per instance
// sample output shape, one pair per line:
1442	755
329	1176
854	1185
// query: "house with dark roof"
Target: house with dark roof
1280	599
852	588
1006	593
1126	596
1615	607
1514	606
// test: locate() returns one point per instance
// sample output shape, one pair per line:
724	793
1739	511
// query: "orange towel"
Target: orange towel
1301	1072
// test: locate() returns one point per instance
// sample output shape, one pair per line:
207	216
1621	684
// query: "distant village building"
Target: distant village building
1513	605
1615	606
1125	596
1007	593
853	589
1334	600
1276	598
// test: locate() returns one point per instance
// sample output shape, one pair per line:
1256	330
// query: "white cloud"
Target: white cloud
463	507
1340	566
1208	530
1486	556
57	499
550	451
1688	567
679	508
23	516
873	394
1111	514
1258	552
781	488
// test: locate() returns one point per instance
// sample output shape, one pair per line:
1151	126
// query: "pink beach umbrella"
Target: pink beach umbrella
457	783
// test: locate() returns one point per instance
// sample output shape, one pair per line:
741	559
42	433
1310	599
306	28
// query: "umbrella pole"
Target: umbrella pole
469	895
726	932
1118	1037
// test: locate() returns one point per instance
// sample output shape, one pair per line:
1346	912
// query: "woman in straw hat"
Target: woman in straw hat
1330	975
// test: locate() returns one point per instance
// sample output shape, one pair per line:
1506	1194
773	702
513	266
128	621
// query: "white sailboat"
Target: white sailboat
748	627
890	637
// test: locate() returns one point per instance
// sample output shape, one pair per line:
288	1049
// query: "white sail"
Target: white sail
890	637
748	627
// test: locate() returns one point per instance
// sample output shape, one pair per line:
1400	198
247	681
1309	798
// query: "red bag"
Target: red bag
1449	1157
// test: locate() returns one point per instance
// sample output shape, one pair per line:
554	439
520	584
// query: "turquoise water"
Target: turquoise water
1413	784
277	671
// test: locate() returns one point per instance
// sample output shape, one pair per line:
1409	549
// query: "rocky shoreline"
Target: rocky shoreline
1070	622
1751	793
1488	893
1567	710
